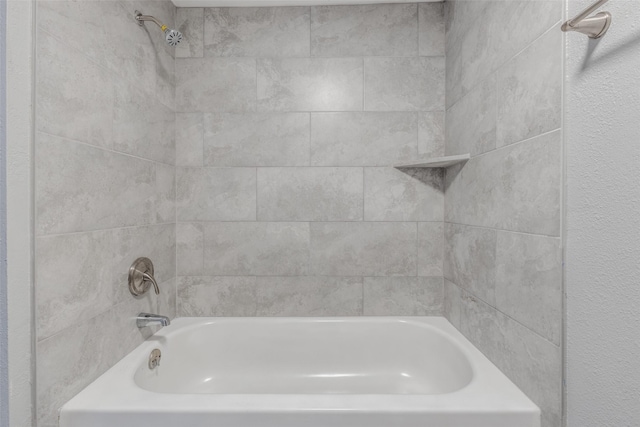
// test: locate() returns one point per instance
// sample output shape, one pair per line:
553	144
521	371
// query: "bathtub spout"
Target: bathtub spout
144	319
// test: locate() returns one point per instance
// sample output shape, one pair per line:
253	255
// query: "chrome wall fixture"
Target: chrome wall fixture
145	319
172	37
595	26
141	277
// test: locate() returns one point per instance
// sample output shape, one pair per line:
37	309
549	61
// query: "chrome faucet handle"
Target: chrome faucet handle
141	277
150	278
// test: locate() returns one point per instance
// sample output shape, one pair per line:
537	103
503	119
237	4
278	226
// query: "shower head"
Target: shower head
172	37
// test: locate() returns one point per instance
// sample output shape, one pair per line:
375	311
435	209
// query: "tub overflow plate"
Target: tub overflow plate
154	358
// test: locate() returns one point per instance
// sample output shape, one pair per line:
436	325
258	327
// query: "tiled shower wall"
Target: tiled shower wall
105	187
503	261
289	121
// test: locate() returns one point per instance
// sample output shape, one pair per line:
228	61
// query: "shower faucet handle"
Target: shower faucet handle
141	277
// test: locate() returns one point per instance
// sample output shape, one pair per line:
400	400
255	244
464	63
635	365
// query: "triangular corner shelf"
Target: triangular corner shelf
437	162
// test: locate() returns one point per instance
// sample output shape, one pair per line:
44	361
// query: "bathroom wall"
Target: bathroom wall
104	186
19	44
503	216
289	121
603	225
4	354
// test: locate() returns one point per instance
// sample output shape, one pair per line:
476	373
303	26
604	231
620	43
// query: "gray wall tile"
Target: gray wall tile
167	300
142	126
165	193
270	296
216	296
309	296
502	87
256	248
530	91
189	249
256	139
354	249
365	30
459	15
431	134
452	305
453	71
189	139
484	326
404	84
475	54
529	282
257	31
403	296
430	248
166	79
216	194
105	188
74	96
309	141
531	362
363	139
133	242
92	190
215	84
354	140
471	122
190	22
492	37
534	364
406	194
310	84
74	279
310	194
164	54
73	358
507	29
89	28
431	29
470	259
519	189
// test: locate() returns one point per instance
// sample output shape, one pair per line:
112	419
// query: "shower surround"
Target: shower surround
503	257
257	176
104	187
288	122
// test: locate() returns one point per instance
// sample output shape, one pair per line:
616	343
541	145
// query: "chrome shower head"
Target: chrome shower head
171	36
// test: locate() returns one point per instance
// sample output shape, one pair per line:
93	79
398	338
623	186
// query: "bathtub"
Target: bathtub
304	372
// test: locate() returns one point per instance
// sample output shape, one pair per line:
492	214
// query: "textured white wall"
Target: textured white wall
602	121
4	374
19	73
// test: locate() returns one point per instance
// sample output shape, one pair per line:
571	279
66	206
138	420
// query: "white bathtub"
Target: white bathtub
304	372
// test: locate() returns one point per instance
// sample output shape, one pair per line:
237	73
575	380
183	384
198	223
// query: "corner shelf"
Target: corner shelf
437	162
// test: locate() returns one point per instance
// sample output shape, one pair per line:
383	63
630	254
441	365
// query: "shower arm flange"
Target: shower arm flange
141	18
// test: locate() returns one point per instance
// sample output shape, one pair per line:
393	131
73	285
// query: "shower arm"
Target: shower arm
594	27
171	36
141	18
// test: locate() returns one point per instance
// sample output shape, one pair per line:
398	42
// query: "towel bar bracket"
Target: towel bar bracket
595	26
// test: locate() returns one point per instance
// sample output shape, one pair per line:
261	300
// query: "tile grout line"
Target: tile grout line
498	67
516	143
105	149
465	291
503	230
417	240
364	193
